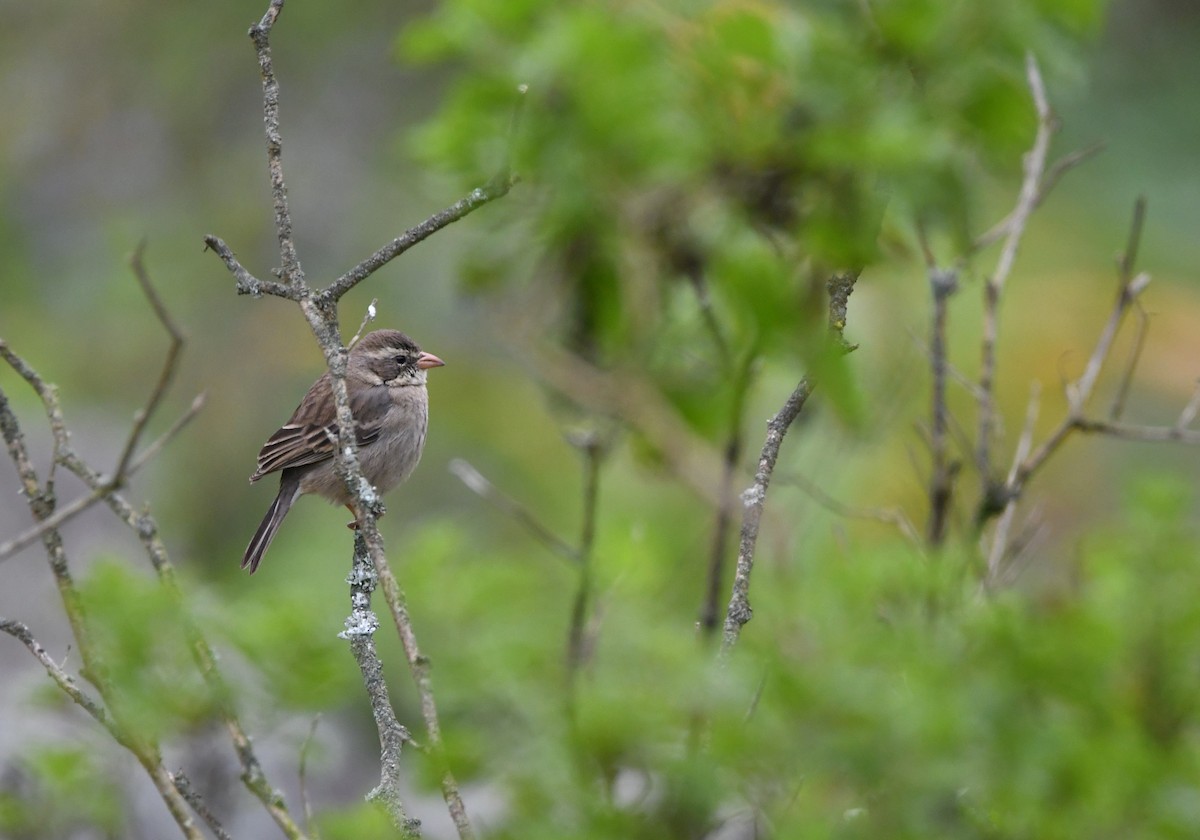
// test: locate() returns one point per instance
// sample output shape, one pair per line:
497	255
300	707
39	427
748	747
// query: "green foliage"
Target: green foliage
142	651
60	790
291	638
728	152
876	694
364	820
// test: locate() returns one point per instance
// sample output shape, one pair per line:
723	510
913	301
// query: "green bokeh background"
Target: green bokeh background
893	703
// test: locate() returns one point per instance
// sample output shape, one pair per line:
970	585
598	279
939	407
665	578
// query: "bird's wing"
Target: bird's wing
309	437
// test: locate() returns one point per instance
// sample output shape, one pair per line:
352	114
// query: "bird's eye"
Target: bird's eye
402	359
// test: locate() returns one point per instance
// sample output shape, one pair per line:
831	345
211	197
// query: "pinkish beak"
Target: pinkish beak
427	360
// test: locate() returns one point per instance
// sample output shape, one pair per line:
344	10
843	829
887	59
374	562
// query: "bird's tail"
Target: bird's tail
288	491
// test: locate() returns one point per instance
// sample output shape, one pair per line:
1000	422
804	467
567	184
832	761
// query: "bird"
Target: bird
385	383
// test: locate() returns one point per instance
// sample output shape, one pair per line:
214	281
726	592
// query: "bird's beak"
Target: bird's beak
427	360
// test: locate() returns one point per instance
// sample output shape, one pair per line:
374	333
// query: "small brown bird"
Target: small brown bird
385	381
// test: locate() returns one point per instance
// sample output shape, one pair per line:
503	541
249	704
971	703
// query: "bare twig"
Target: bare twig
1128	258
741	376
305	801
146	754
184	785
142	417
1004	524
498	187
62	679
260	33
246	283
1053	175
367	318
1141	330
127	465
146	529
1125	263
79	505
478	484
578	646
1189	411
1148	434
839	287
1080	391
419	667
1035	167
1029	459
415	235
360	632
943	284
753	501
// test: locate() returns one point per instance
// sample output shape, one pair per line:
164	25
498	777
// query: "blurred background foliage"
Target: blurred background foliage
690	175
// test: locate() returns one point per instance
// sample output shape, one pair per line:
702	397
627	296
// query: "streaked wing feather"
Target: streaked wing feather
305	440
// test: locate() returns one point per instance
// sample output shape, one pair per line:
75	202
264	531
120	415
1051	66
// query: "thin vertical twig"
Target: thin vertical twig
305	800
1004	525
146	529
1141	330
41	504
1027	200
753	501
360	632
419	667
289	270
941	481
184	785
839	287
578	643
710	613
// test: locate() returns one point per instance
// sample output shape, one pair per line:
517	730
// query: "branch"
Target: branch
839	287
126	465
418	664
62	679
578	644
184	785
320	311
1080	391
360	632
1149	434
941	482
753	500
260	33
1004	525
142	417
303	774
1027	201
146	529
1049	181
146	754
1026	462
464	206
1142	329
710	610
247	283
